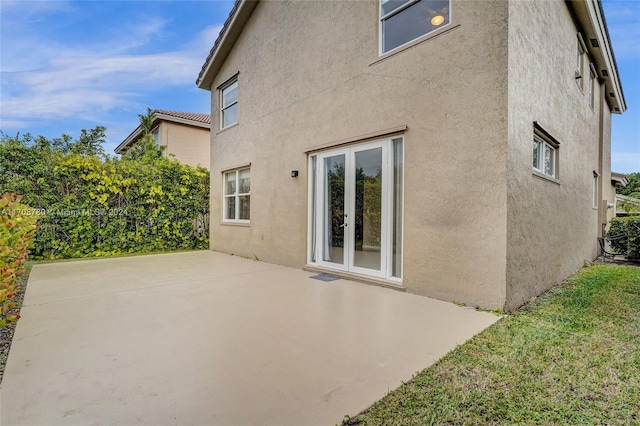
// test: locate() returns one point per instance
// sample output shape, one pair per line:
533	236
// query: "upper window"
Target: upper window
582	50
237	195
229	104
592	86
545	154
402	21
156	135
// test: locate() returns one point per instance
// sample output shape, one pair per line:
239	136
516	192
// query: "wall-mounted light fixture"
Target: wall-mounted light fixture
294	173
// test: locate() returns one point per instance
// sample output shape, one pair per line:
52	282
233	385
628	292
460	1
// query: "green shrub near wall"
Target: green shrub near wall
17	231
97	206
630	226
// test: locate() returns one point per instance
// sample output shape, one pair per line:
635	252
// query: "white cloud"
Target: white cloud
66	82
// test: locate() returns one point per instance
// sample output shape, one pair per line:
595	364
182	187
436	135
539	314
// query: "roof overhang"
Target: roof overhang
136	135
229	33
589	15
619	179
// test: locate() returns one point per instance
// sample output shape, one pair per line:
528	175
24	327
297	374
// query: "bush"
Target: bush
630	226
17	231
97	206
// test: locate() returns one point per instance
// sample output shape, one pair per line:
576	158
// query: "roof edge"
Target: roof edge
231	30
619	178
590	16
158	116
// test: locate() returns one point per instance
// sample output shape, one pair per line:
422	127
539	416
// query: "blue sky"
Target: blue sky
71	65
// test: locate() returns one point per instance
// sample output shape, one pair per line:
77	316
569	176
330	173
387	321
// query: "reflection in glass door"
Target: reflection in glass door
356	218
368	209
334	213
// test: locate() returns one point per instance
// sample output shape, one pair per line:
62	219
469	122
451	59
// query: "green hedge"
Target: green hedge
97	206
17	229
630	246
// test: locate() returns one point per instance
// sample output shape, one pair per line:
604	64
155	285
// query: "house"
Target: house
185	135
618	180
454	149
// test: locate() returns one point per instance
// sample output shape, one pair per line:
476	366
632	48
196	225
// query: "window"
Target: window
237	195
545	153
402	21
592	86
229	103
595	189
156	136
582	49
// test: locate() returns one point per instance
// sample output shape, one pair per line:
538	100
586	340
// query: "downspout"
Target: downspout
602	209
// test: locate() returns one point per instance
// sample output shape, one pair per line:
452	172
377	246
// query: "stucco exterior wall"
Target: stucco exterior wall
552	226
190	145
310	75
608	190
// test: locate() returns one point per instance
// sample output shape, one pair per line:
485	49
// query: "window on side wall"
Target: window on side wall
402	21
581	52
545	153
592	86
156	136
237	196
229	103
595	189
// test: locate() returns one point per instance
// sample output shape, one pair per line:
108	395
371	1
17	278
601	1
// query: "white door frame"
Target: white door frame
317	208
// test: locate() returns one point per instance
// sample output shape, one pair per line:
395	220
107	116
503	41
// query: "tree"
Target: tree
90	142
146	148
632	186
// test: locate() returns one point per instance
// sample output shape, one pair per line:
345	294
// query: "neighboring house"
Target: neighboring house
450	148
618	180
186	135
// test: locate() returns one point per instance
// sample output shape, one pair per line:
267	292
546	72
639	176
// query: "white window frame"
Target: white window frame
592	86
235	197
581	51
596	199
233	81
155	133
546	142
400	9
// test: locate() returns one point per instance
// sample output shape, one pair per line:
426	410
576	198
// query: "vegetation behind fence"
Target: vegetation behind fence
94	205
629	245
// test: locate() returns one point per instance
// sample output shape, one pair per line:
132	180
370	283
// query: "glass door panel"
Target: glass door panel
367	217
334	207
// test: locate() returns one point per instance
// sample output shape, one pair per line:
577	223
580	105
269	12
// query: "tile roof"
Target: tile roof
193	116
189	118
221	34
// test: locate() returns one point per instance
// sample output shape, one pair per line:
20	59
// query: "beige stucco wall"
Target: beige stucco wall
309	75
607	189
552	227
190	145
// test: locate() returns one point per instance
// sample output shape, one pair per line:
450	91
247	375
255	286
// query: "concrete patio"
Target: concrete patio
204	338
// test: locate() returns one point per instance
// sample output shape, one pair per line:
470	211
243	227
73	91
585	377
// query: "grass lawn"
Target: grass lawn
570	357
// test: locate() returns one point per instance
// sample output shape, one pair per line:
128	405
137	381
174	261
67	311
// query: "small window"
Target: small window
237	195
595	189
402	21
581	51
592	87
545	154
156	136
229	104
